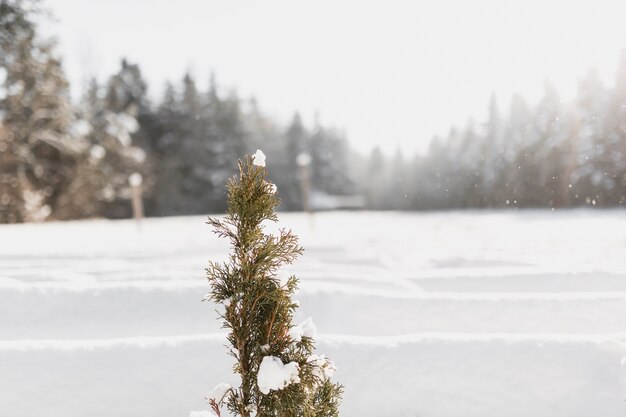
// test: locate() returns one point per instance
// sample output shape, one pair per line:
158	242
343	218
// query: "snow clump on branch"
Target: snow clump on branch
305	329
274	375
259	158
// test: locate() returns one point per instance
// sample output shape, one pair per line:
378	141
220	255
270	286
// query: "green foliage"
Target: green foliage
258	310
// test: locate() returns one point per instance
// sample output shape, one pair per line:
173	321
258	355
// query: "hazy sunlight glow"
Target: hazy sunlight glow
391	73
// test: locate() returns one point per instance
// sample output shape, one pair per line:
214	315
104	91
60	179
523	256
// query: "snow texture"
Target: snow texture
258	158
203	413
121	126
305	329
274	375
323	367
473	314
272	187
283	276
219	393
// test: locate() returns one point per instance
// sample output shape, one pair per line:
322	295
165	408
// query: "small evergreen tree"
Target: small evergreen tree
280	375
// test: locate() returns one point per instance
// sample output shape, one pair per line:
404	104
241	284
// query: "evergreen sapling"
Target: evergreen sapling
280	374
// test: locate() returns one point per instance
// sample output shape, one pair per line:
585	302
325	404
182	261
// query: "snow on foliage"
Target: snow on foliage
121	126
307	329
80	128
97	152
322	366
282	277
259	158
274	375
273	187
219	393
34	205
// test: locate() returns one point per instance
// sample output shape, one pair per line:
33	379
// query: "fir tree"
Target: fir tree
100	186
37	153
280	375
295	138
329	161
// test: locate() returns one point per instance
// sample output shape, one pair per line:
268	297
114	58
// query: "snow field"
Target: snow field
427	377
130	311
441	314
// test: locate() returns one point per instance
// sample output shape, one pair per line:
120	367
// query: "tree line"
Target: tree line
65	159
552	154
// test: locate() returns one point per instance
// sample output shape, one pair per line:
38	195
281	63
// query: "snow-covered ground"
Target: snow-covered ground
440	314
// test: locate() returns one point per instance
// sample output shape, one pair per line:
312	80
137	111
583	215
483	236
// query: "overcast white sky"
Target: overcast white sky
389	72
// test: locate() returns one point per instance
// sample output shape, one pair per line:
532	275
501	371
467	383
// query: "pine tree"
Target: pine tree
329	151
375	180
37	153
295	138
200	150
589	130
280	375
100	186
492	157
610	161
167	148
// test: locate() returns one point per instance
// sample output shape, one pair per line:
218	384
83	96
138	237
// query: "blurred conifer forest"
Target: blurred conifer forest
69	159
